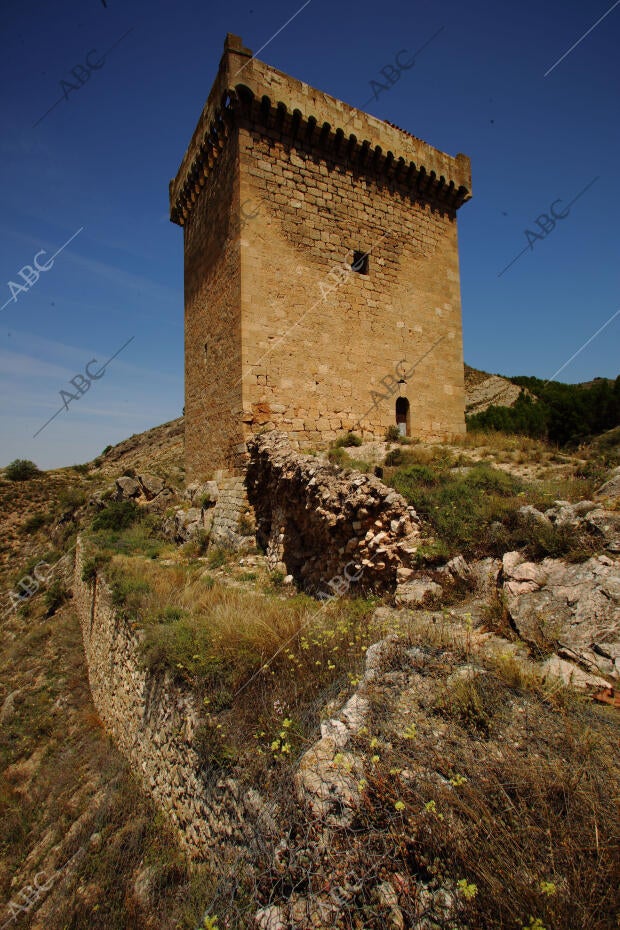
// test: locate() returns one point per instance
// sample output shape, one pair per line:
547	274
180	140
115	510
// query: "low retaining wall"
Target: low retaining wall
153	722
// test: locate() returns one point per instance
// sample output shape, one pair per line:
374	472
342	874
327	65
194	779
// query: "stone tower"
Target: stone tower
321	270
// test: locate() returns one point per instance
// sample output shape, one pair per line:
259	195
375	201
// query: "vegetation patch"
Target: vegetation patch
21	470
474	509
565	414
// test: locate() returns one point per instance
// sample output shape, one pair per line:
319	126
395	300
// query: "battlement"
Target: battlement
249	92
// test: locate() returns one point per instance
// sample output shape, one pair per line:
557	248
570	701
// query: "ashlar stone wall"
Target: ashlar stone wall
321	270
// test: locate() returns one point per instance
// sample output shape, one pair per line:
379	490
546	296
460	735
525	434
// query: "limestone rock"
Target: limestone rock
271	918
486	390
571	674
529	512
388	899
611	489
127	488
606	524
578	604
327	779
562	514
152	485
485	574
418	593
8	706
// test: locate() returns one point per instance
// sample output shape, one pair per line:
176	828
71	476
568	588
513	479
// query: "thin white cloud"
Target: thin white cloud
22	366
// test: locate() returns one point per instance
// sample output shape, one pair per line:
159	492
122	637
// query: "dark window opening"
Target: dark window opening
360	262
206	351
402	416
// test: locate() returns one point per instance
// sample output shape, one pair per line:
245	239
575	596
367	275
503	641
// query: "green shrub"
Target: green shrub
81	469
169	615
392	434
72	498
55	596
360	465
198	545
461	508
394	457
276	578
248	576
21	470
93	564
128	594
106	450
338	456
118	515
433	553
566	414
211	749
217	557
246	525
35	522
350	439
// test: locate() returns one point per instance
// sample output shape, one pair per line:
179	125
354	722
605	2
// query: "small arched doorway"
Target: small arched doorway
402	416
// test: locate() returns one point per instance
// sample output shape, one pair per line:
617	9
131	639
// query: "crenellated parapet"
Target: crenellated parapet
250	94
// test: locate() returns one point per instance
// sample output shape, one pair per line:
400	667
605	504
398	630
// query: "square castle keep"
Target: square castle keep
321	271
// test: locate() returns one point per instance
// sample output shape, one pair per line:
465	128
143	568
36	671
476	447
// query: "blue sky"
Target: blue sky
101	160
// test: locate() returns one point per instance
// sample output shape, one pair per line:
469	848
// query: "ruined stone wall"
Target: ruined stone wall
318	338
213	402
153	722
230	507
335	532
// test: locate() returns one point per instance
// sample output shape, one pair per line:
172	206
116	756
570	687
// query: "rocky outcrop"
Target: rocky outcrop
483	391
587	517
575	607
611	489
329	528
146	489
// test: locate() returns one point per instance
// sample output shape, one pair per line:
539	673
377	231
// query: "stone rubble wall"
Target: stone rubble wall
321	524
219	508
153	722
231	505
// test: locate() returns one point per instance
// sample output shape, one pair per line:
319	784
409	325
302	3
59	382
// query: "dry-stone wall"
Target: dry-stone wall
328	528
153	721
230	508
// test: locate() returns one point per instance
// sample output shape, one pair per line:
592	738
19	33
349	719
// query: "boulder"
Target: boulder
419	593
562	514
456	569
571	674
528	513
161	503
577	604
485	574
611	489
606	524
127	488
152	485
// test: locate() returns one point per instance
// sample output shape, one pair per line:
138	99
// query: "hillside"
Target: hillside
564	414
458	749
483	390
